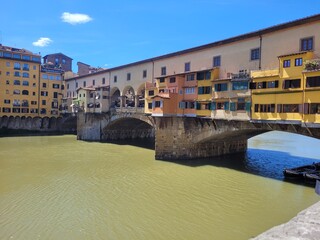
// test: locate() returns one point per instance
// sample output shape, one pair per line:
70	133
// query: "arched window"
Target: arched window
25	92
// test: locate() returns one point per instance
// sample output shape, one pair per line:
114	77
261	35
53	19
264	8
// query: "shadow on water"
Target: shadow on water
265	163
147	143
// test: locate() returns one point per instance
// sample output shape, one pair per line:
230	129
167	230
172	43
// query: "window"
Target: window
163	71
8	55
44	102
103	81
298	62
288	108
172	80
306	44
157	104
204	90
25	67
55	95
313	81
286	63
57	86
7	82
18	56
63	61
187	67
190	77
7	101
93	82
16	92
26	57
8	73
33	102
84	83
17	74
17	66
149	105
36	59
240	85
8	64
58	77
44	93
255	54
162	80
76	85
16	82
25	75
44	76
144	73
294	83
217	61
56	60
315	108
128	76
264	108
273	84
151	93
44	85
219	87
51	77
25	103
34	67
206	75
115	79
189	90
241	105
6	110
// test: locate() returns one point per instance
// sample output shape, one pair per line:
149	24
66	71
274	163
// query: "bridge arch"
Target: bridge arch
128	95
128	126
115	97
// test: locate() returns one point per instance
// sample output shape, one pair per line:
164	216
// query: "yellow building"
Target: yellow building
19	81
28	89
204	82
290	93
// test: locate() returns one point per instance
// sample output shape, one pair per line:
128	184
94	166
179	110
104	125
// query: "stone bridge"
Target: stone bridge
181	137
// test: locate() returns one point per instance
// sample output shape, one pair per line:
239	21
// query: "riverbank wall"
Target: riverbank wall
38	126
305	226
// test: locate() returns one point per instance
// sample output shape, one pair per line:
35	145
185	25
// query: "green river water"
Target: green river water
55	187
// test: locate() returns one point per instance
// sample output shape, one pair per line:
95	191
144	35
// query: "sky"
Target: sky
108	34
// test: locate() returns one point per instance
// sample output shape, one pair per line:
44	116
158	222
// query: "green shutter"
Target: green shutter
233	106
248	106
226	106
213	106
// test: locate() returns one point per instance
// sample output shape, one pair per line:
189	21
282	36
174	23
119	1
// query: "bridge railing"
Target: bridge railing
130	110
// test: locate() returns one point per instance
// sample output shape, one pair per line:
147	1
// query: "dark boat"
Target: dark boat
300	172
312	177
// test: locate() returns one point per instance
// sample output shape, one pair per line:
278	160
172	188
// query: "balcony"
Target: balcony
312	65
265	73
240	76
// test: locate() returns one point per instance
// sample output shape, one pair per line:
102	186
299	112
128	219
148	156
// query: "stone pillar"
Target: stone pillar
136	101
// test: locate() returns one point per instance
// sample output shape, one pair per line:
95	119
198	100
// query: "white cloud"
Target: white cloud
75	18
42	42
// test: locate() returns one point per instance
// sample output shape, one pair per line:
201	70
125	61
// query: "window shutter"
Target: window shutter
248	106
226	106
213	106
198	106
161	104
232	106
153	104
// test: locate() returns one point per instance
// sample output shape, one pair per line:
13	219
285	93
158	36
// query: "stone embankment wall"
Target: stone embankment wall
305	226
66	124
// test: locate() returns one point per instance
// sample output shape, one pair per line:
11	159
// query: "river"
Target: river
55	187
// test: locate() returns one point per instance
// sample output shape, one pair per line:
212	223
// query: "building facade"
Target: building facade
28	89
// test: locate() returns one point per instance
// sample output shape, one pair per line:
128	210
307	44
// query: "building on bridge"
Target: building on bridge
213	80
291	92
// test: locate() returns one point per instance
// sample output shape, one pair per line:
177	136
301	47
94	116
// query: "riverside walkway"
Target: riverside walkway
305	226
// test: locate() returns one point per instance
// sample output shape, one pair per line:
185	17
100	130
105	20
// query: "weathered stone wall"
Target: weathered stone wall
190	138
113	126
66	124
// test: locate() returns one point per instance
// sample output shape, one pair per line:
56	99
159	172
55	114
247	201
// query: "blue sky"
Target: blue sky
111	33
